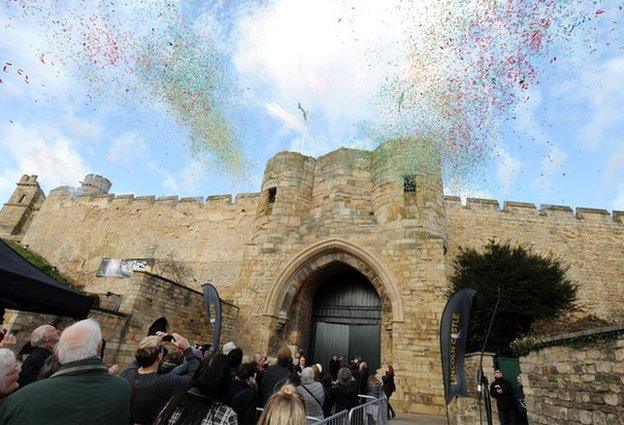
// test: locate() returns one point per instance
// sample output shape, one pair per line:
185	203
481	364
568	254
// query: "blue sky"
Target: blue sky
561	143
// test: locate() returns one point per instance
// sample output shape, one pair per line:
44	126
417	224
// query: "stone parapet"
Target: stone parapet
576	378
545	210
172	201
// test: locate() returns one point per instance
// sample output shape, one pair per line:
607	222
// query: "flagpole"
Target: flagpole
480	370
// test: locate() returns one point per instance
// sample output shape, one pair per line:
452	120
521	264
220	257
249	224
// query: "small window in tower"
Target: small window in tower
409	183
21	198
272	193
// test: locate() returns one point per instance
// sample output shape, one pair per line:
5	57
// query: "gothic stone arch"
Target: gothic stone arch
313	262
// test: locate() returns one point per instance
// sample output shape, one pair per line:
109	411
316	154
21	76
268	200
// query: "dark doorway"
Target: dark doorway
159	325
346	320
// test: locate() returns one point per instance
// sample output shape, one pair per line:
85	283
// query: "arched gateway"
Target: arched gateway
329	284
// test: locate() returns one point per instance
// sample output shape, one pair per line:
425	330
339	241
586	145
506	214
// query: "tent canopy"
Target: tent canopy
24	287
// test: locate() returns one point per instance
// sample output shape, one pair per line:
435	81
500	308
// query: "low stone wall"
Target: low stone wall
576	378
464	410
113	325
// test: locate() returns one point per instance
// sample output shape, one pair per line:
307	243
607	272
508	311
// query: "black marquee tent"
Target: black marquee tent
26	288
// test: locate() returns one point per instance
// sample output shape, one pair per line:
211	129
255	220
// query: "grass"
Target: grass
39	262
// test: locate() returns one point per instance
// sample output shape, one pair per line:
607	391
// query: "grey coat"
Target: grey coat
313	408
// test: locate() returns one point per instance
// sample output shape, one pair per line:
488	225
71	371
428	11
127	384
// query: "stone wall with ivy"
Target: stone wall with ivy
577	378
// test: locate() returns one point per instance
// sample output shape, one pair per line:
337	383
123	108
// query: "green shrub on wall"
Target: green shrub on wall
39	262
533	287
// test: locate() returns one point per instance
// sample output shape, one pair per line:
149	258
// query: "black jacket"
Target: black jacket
334	365
503	392
274	377
344	396
362	380
32	366
151	392
244	401
388	386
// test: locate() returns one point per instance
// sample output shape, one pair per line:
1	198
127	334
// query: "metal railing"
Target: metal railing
340	418
372	411
309	419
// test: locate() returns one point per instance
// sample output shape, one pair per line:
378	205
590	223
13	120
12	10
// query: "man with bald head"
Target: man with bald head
81	391
42	340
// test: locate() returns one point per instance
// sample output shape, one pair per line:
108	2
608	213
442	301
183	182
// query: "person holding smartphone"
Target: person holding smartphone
150	390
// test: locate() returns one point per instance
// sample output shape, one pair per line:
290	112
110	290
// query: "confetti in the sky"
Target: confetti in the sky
466	65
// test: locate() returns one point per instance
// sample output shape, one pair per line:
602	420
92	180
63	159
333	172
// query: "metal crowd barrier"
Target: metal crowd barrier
372	411
309	419
340	418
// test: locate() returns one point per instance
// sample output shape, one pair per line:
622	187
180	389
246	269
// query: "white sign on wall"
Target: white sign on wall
123	267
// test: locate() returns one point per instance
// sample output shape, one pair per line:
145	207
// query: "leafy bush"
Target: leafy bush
533	287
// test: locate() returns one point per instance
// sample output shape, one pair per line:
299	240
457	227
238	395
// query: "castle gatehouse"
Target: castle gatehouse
345	254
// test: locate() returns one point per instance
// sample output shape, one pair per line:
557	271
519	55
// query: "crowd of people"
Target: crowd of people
65	381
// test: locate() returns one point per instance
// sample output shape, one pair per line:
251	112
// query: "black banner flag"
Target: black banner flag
453	336
213	308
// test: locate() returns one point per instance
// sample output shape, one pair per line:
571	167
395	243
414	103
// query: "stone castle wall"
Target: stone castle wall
207	238
591	242
574	382
267	253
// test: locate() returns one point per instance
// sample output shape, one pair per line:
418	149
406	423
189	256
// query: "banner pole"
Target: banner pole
480	370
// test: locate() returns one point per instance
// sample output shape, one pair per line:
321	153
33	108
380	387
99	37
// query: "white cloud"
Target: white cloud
465	190
605	94
82	128
27	47
551	163
126	147
333	57
615	163
287	119
507	169
526	121
186	181
41	151
618	202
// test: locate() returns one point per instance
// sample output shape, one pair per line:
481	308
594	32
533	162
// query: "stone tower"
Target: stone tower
94	184
407	190
17	214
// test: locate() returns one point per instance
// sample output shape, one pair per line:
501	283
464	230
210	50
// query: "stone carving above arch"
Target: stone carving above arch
314	258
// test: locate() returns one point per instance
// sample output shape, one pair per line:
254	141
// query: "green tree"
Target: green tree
533	287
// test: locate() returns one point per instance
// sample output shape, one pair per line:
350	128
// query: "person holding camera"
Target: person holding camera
150	390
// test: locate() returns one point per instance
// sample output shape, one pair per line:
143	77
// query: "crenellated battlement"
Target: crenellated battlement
525	209
103	200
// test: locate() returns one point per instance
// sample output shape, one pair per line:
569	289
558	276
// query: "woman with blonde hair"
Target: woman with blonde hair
284	408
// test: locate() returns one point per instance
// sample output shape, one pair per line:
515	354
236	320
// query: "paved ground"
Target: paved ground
405	419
